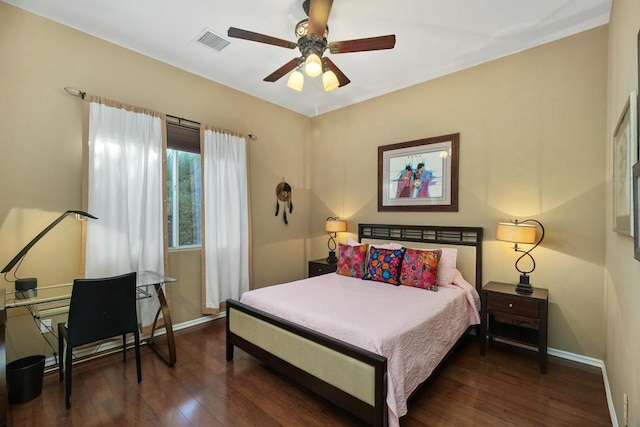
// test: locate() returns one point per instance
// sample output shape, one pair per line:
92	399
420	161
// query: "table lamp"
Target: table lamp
519	232
24	286
333	226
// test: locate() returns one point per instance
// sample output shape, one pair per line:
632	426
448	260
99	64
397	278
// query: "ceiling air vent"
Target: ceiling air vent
212	40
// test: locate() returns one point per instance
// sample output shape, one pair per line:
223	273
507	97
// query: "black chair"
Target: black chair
99	309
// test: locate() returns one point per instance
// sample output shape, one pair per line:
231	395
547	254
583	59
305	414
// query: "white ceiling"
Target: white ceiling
433	38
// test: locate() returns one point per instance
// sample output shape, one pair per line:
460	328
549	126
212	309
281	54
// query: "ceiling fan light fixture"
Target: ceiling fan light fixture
313	65
312	34
296	81
329	80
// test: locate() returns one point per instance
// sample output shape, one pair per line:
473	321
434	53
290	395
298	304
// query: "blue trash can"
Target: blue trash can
24	378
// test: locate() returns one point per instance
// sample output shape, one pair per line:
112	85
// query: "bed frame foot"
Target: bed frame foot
229	352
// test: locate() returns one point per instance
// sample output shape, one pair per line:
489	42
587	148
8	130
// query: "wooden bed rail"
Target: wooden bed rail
376	414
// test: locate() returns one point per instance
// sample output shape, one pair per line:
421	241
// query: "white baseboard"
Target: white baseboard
585	360
612	409
591	362
195	322
112	346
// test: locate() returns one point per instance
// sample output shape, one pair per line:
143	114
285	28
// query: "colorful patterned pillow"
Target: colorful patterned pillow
384	265
420	269
351	260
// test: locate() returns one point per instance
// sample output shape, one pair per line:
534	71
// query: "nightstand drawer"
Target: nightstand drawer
512	305
319	267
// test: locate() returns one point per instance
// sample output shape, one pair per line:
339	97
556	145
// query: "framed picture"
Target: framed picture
636	216
636	172
419	175
625	154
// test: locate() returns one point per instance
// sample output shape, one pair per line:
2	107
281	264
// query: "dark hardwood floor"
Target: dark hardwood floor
502	389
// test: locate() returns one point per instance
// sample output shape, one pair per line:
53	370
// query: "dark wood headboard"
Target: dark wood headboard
437	234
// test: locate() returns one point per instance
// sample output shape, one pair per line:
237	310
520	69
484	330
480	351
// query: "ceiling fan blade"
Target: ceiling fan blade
361	45
318	16
344	80
277	74
261	38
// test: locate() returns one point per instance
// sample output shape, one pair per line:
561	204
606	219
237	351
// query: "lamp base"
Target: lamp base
26	288
332	259
524	287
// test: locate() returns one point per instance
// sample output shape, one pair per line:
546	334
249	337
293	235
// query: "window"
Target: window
184	179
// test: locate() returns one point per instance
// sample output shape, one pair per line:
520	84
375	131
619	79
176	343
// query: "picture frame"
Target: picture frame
636	215
420	175
625	155
636	170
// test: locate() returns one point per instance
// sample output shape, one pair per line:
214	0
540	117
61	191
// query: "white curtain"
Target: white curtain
125	154
226	217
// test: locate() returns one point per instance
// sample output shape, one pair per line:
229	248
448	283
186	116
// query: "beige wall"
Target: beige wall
532	134
622	297
40	166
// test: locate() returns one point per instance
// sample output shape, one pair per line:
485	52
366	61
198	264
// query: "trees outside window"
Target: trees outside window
184	198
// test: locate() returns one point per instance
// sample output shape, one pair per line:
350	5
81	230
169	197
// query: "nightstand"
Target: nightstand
519	318
318	267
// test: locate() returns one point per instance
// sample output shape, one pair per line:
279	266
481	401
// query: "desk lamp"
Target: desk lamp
333	226
519	232
23	286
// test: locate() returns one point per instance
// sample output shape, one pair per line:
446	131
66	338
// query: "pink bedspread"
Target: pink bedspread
413	328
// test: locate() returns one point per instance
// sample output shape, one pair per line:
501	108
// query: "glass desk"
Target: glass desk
54	299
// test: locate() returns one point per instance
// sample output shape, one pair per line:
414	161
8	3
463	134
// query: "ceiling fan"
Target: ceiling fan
312	41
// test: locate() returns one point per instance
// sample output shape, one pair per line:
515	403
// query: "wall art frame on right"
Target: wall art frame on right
636	172
625	155
636	215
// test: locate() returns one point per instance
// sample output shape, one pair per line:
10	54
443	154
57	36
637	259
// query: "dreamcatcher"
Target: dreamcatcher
283	194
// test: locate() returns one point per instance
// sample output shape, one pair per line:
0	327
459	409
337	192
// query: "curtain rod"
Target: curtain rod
189	123
75	92
81	94
192	124
181	119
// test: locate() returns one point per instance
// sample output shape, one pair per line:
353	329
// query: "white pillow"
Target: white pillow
392	246
352	242
447	265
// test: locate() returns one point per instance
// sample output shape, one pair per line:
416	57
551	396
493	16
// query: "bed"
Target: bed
338	358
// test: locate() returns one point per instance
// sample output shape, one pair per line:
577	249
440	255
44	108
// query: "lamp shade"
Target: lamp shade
296	81
313	65
329	80
517	233
335	226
